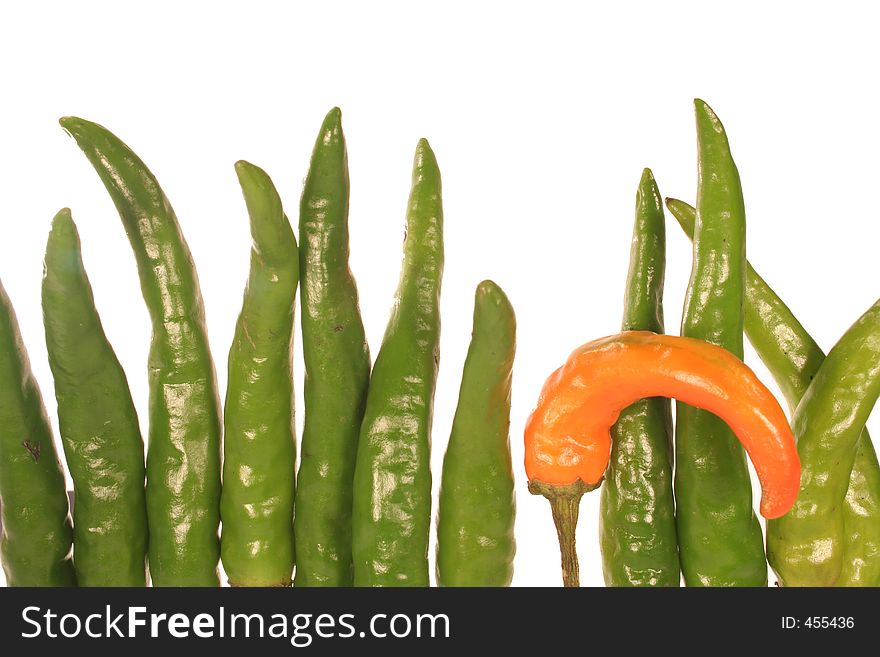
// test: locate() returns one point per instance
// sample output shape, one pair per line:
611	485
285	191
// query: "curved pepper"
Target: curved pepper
259	446
568	439
475	541
806	547
183	448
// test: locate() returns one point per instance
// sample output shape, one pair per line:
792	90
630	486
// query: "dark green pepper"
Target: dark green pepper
637	511
99	425
719	535
475	542
337	363
256	504
794	358
35	544
183	452
391	514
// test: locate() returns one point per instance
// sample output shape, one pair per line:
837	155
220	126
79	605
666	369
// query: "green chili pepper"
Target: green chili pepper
337	362
719	535
637	510
806	546
36	538
391	513
256	503
183	453
794	358
99	425
475	542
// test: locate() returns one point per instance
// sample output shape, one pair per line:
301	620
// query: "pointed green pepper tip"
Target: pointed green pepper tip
707	119
331	128
684	214
259	191
490	294
648	195
257	187
63	228
423	149
701	107
488	289
334	117
88	135
248	172
63	214
270	230
62	257
73	125
425	158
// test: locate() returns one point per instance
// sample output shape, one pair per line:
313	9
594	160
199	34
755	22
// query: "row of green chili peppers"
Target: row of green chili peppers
358	510
675	501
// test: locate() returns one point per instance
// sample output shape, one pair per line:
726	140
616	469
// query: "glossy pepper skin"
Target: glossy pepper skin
719	535
183	452
794	358
806	547
568	439
256	504
637	511
475	542
35	544
337	364
98	421
391	512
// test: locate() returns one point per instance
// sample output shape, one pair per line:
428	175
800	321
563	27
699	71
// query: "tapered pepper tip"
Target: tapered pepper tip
707	119
250	175
331	129
64	215
648	196
490	295
72	124
674	204
63	236
684	214
777	501
85	132
62	222
334	116
243	167
488	288
701	105
424	158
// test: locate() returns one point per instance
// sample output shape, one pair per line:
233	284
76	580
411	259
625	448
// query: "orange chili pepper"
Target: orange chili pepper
568	438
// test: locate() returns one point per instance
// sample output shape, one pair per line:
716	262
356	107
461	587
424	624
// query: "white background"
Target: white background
542	117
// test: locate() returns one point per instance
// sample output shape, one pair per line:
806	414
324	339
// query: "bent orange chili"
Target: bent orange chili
568	439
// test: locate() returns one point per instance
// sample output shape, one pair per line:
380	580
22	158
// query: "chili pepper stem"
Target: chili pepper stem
565	502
